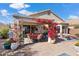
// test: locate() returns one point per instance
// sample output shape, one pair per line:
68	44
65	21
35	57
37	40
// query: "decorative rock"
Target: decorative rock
4	52
20	54
10	54
15	52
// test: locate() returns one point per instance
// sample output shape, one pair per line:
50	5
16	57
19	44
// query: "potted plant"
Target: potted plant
7	44
14	44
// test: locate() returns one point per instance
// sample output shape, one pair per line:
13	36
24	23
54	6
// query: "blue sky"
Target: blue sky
63	10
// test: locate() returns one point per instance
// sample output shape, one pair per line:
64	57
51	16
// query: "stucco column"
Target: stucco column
61	31
67	31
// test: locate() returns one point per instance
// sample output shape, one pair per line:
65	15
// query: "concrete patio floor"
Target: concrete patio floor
64	48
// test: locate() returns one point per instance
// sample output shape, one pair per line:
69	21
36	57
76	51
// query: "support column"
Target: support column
67	30
61	31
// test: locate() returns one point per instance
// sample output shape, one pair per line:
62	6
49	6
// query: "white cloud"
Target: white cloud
25	12
4	12
19	5
73	17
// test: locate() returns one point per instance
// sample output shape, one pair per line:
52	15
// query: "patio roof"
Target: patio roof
48	11
28	19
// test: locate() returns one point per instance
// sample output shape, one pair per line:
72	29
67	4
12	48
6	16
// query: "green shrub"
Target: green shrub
77	35
77	26
7	42
4	32
77	44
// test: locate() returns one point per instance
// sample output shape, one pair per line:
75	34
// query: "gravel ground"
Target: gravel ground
21	51
64	48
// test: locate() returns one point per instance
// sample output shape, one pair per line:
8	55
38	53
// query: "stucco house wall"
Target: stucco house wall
48	15
72	24
74	31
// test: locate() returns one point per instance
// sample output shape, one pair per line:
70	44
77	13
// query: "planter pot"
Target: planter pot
50	40
27	40
14	46
7	46
34	40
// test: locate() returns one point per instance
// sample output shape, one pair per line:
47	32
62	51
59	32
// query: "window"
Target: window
26	29
64	29
37	29
58	29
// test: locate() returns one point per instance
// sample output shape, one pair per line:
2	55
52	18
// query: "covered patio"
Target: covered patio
24	22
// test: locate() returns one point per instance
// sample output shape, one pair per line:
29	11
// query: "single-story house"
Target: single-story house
28	21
